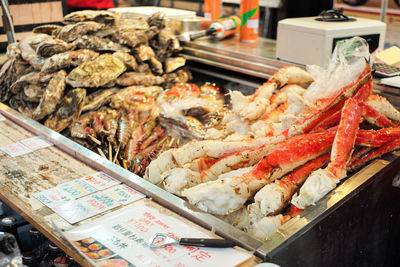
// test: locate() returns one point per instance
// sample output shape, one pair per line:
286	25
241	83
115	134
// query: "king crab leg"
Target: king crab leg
227	195
322	181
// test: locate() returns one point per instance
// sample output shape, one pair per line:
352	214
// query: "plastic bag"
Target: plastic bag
345	65
10	255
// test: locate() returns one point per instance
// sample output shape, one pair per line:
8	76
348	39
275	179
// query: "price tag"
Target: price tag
36	143
76	189
2	118
123	194
53	197
16	149
100	180
86	207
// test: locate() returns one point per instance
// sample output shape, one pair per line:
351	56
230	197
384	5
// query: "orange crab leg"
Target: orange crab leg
388	147
374	117
345	138
372	138
290	154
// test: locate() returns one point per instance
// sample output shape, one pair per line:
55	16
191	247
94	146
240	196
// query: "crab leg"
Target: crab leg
316	115
177	158
372	138
322	181
374	117
273	197
388	147
227	195
254	106
383	106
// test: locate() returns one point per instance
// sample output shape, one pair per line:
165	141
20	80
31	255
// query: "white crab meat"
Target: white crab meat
383	106
246	108
177	179
219	197
317	185
266	226
164	162
270	198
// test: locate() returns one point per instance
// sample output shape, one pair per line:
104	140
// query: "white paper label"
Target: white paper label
16	149
100	180
86	207
2	118
123	194
36	143
53	197
76	189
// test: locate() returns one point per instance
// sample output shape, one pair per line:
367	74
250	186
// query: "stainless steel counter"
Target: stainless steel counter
256	59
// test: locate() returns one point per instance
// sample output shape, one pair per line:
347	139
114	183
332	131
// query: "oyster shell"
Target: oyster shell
144	52
68	59
173	63
97	99
98	44
71	32
138	78
69	110
96	73
100	16
28	48
48	29
51	47
9	72
156	66
129	60
51	96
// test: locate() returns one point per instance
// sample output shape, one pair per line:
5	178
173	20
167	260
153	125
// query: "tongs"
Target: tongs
159	240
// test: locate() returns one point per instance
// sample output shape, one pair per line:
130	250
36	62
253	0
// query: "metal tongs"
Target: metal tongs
159	240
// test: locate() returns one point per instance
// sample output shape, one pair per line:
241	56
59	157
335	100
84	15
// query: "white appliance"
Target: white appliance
309	41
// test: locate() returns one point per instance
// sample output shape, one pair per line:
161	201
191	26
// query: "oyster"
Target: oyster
8	74
51	96
130	37
156	66
129	60
100	16
96	73
30	78
48	29
68	59
143	68
71	32
51	47
144	52
98	44
165	44
179	76
24	107
173	63
97	99
69	110
13	51
138	78
28	48
157	19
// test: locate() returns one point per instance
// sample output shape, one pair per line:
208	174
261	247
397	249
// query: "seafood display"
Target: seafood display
293	150
118	87
96	79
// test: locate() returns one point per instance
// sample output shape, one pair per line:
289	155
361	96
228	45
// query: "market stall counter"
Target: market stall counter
40	181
